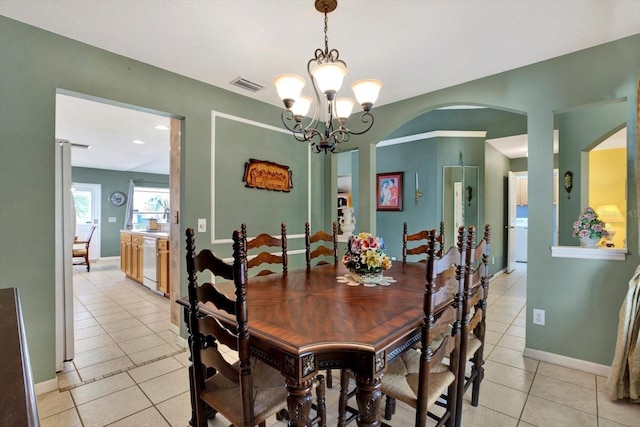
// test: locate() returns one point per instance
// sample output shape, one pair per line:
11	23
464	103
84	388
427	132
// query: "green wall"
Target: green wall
111	181
579	132
36	64
570	290
428	157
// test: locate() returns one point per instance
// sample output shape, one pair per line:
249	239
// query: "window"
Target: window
150	203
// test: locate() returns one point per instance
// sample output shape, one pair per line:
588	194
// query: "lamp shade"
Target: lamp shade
329	77
344	106
609	213
300	108
367	91
288	86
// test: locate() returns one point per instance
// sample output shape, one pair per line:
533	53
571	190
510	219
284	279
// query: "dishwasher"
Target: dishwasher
150	263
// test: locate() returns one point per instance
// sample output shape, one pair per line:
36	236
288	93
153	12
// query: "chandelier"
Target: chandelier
326	71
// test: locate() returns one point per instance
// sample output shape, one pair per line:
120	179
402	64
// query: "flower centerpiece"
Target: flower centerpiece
588	228
365	258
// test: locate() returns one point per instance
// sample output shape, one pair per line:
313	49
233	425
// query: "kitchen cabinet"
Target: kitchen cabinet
136	257
131	255
132	258
163	266
125	253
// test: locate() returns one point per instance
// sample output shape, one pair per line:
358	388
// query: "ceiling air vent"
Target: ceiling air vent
247	84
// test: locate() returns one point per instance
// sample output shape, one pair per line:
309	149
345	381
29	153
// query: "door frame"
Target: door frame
96	210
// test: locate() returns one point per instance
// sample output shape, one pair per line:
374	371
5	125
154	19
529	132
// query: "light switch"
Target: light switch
202	225
112	219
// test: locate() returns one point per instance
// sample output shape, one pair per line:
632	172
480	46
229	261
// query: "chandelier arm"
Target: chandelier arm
366	116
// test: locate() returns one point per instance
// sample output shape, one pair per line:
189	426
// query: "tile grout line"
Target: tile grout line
110	374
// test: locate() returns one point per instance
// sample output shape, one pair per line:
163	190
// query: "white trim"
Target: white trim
295	252
568	362
45	386
109	258
497	273
227	241
215	114
434	134
610	254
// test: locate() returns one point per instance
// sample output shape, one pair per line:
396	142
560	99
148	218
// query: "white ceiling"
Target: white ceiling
413	46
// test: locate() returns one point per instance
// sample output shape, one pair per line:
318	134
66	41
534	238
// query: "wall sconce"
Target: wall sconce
418	192
568	183
469	194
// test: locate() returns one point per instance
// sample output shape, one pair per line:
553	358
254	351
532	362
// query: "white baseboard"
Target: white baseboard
182	342
45	386
497	273
107	258
568	362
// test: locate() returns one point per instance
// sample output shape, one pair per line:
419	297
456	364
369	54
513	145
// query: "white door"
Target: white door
86	198
511	223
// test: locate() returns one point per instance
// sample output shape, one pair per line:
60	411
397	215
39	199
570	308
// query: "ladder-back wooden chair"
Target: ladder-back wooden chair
419	377
474	307
421	238
246	392
315	246
264	257
82	250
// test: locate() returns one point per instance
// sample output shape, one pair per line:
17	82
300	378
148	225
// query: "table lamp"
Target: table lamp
609	214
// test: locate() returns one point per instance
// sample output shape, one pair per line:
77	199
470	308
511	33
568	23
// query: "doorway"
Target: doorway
109	141
87	202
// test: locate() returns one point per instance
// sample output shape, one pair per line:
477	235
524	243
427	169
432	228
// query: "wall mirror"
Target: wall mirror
459	199
592	152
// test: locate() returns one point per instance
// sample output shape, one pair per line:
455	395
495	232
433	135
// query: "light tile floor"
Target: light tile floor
130	369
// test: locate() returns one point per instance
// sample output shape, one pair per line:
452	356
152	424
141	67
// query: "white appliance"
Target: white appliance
522	228
65	220
150	263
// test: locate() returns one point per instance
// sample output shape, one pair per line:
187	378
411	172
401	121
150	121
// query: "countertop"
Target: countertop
156	234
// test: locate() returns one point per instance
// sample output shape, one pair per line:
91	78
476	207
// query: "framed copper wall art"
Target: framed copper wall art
267	175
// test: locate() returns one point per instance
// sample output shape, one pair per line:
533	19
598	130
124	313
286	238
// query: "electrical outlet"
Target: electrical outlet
202	225
538	316
393	258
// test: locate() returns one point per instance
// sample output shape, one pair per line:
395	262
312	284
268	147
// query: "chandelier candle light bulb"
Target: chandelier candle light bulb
327	72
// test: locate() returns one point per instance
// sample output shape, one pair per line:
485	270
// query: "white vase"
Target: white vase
347	221
589	242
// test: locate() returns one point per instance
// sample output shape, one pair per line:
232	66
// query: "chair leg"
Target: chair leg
389	407
477	366
329	379
321	408
87	261
344	398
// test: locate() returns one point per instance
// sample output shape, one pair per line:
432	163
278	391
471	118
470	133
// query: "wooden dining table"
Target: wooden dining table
305	321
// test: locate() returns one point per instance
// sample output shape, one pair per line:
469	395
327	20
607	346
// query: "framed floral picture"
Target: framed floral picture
389	190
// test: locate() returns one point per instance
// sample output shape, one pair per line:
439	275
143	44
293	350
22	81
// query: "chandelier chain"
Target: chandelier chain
326	27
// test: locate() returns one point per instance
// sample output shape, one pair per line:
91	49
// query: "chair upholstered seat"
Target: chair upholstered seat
269	392
401	379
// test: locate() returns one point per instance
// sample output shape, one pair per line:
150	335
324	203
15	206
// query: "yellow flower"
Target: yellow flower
371	258
386	262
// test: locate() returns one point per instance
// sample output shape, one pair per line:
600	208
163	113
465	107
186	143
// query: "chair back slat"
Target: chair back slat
263	240
421	248
321	244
